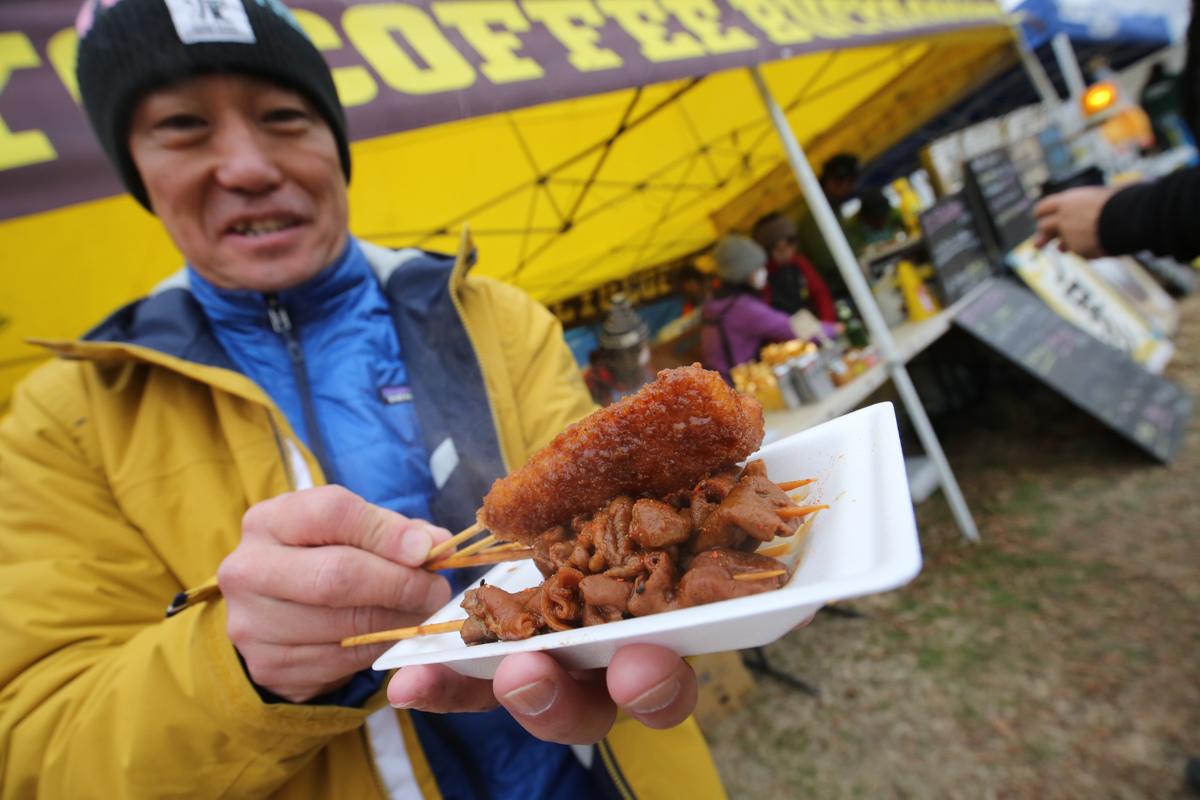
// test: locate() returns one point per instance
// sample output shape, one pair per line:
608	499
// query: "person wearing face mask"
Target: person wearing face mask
736	322
622	364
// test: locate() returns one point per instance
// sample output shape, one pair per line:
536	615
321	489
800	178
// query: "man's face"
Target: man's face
783	251
875	221
838	189
245	176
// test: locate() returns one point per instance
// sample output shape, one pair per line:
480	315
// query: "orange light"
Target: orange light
1099	97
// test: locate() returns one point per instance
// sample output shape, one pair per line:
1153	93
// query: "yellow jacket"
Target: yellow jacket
125	469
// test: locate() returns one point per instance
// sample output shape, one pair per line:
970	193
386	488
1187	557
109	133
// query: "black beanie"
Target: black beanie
128	48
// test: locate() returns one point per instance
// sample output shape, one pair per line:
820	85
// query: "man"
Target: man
621	365
876	222
172	459
792	281
1098	221
838	178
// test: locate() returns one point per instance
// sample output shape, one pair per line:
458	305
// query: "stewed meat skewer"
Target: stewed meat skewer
602	512
637	557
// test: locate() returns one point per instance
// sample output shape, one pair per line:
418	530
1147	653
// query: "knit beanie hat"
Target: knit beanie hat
128	48
738	258
623	328
772	229
842	165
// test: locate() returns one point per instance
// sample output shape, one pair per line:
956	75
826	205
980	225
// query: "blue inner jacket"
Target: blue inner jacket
374	445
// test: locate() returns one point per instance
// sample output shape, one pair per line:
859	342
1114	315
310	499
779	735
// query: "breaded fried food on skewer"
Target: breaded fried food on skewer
675	431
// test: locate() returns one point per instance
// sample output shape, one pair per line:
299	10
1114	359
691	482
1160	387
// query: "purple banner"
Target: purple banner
405	65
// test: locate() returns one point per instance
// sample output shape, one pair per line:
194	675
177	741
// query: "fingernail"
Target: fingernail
415	546
656	699
533	698
415	703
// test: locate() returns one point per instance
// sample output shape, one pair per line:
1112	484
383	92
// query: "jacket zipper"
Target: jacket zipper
487	391
281	323
288	474
614	772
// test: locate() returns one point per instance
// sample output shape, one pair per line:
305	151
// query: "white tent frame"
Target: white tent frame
871	315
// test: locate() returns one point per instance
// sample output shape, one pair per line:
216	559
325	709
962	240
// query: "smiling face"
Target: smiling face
245	176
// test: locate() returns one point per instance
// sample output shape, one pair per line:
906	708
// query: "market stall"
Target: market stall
581	141
1119	33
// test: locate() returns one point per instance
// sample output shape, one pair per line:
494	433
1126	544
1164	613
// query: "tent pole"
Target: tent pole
872	317
1069	64
1033	67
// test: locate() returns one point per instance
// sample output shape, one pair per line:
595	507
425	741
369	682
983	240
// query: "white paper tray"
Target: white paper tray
866	542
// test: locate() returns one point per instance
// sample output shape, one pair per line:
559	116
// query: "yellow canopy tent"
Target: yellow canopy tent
622	133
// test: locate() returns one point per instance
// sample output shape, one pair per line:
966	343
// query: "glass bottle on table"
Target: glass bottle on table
856	334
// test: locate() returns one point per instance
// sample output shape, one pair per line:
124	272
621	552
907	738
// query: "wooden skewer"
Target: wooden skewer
759	576
403	633
486	557
454	541
472	549
799	511
478	527
504	548
776	551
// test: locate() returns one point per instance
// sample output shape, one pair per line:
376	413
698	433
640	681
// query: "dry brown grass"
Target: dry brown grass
1057	660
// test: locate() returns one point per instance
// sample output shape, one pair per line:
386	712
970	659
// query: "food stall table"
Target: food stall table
911	338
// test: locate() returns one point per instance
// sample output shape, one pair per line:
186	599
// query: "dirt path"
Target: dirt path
1057	660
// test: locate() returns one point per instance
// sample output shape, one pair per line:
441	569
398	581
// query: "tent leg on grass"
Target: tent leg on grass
872	317
756	659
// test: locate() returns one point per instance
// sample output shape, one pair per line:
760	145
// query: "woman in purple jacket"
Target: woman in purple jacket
736	322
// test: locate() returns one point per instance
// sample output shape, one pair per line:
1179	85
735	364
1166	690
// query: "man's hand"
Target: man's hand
314	567
1073	217
650	683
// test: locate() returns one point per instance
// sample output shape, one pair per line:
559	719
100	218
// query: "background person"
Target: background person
792	281
1160	99
875	222
1098	221
171	460
737	322
839	175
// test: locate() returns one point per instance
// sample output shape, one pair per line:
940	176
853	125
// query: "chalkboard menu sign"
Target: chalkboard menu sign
995	188
1148	410
960	261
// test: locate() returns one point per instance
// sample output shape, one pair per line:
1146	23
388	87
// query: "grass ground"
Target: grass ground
1056	660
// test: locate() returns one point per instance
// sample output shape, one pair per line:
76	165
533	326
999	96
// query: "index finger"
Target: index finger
1046	206
1047	231
332	515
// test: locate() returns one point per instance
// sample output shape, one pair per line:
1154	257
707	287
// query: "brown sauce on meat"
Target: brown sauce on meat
637	557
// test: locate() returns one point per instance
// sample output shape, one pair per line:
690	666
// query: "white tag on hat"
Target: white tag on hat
211	21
